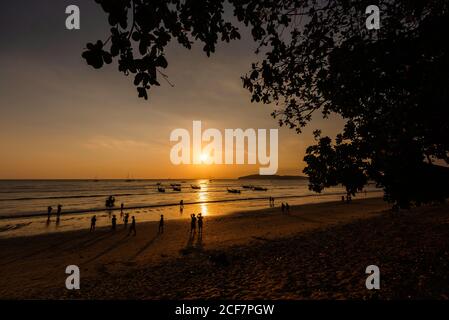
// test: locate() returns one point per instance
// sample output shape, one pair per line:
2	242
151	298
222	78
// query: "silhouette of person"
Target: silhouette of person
49	210
283	207
161	224
114	222
132	228
58	212
125	220
200	223
93	222
181	204
121	209
342	198
192	223
287	207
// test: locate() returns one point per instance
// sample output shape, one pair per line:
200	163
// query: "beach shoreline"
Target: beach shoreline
17	226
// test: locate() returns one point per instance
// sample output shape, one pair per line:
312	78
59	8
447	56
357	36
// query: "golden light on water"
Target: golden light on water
203	197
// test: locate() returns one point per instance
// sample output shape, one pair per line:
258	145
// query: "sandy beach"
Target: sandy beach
317	251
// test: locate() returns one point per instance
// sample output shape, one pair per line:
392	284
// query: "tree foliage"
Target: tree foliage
390	85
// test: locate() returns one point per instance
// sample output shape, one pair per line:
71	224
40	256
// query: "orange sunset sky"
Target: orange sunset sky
59	118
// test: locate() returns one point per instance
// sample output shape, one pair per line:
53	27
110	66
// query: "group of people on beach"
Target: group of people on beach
132	228
58	212
195	219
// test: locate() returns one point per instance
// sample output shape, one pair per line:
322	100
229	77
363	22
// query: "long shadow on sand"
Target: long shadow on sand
49	249
115	245
90	242
145	247
191	246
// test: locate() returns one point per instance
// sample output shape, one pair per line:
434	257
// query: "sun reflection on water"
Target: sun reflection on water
203	197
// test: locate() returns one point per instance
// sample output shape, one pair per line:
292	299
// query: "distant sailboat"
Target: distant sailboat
129	179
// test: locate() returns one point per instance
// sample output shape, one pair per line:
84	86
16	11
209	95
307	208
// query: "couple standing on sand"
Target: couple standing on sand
285	207
193	223
58	213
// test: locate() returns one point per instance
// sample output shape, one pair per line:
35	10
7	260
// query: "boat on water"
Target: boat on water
233	190
176	188
196	187
129	179
260	189
160	189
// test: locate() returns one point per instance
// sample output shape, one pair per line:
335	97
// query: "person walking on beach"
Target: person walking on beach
49	210
125	220
58	213
132	228
200	223
161	224
114	222
93	222
287	207
283	207
192	223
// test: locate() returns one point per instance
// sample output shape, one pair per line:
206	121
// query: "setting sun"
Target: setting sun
204	157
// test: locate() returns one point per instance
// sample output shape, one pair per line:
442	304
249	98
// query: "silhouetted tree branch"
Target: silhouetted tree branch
390	85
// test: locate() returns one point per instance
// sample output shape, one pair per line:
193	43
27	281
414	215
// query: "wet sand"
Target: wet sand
315	251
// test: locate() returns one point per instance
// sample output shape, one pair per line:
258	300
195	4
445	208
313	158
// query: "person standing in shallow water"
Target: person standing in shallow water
132	228
114	222
49	210
192	223
58	213
200	223
161	224
93	222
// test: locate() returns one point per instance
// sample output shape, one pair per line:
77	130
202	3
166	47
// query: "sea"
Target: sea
24	202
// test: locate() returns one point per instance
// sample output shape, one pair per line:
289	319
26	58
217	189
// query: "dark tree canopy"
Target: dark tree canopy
391	85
